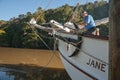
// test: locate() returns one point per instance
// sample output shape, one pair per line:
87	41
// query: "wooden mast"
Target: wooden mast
114	40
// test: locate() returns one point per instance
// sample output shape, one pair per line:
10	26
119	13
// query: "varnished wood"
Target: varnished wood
114	41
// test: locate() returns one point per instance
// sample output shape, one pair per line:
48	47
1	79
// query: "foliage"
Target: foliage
2	32
39	16
104	29
97	9
17	33
3	38
2	22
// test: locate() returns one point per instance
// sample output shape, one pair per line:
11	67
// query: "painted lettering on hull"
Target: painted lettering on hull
97	65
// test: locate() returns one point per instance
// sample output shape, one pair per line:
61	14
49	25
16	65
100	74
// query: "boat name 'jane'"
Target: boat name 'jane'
97	65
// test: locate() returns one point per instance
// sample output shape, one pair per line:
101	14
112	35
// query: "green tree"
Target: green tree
29	16
29	38
3	40
39	16
19	34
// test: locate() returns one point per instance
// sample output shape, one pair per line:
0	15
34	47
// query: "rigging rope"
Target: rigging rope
45	36
50	1
53	52
50	58
74	10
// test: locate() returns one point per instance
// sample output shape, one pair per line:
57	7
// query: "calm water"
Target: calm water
31	72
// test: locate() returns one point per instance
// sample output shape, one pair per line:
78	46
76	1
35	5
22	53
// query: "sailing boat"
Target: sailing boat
85	57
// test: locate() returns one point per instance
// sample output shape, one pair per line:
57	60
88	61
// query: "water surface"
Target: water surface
31	72
25	64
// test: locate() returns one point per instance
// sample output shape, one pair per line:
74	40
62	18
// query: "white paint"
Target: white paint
95	49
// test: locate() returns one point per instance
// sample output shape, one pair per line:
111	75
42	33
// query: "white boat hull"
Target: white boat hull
90	63
85	58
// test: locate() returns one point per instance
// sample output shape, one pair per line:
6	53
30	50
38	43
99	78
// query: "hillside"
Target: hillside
17	33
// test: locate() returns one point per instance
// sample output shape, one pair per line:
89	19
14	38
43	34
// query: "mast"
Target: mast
114	40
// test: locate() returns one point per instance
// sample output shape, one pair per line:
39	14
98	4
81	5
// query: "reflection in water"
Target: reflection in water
27	72
4	76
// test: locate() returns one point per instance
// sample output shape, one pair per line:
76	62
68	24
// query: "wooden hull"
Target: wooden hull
91	62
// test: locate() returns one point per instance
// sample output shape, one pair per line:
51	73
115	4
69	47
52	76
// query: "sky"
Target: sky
13	8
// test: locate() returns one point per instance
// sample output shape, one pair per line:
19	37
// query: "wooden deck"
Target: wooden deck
29	57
